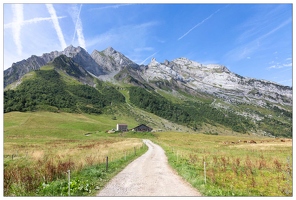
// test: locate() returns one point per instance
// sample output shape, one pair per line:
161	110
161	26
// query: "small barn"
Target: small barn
121	127
142	128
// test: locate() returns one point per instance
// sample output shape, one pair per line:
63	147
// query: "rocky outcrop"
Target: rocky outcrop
217	80
19	69
78	54
81	57
68	66
111	60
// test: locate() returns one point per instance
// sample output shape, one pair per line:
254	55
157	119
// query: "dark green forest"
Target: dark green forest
191	114
49	92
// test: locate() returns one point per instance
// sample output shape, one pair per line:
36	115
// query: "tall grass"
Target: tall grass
235	169
40	147
30	177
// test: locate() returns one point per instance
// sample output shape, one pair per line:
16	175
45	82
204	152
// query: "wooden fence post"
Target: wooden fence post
69	184
205	172
106	163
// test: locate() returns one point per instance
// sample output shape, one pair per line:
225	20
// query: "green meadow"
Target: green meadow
40	147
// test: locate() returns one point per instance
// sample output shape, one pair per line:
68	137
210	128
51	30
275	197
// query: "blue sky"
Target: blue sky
253	40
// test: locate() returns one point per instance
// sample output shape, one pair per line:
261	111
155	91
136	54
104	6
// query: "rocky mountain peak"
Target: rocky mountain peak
109	51
71	51
186	62
153	63
217	67
111	61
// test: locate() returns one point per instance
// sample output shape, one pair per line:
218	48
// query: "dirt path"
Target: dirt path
148	175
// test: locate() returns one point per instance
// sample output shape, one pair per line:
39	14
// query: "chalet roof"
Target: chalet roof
141	125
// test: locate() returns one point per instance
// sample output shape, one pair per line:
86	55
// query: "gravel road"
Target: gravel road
148	175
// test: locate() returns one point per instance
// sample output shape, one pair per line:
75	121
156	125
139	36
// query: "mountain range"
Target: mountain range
181	81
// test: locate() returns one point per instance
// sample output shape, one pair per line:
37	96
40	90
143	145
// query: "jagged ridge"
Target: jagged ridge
187	79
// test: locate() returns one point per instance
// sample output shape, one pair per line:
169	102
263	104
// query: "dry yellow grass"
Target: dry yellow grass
80	152
264	146
235	166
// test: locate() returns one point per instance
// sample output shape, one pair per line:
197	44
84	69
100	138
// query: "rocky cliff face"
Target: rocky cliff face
78	54
81	57
217	80
17	70
212	79
111	60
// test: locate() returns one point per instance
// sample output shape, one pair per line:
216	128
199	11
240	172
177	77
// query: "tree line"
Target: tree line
47	91
192	114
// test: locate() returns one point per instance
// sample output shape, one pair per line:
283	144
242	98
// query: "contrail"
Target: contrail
79	29
18	18
200	23
73	18
17	23
30	21
148	58
56	24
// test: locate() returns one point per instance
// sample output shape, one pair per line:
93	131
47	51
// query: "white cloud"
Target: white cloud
280	66
56	24
288	65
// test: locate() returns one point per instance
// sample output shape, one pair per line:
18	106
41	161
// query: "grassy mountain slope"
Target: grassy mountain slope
270	120
64	86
